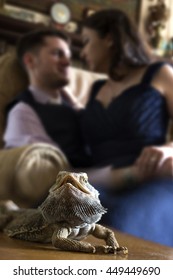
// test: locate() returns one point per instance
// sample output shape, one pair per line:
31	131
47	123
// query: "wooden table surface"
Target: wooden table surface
14	249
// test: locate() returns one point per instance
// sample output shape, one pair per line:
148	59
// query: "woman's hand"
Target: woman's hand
155	162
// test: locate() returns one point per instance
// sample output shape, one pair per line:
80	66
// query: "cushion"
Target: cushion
12	80
80	83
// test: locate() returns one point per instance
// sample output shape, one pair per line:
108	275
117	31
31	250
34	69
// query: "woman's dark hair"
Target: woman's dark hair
128	48
34	40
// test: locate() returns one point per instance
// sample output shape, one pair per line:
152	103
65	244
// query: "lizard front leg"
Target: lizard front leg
112	245
4	220
60	240
6	209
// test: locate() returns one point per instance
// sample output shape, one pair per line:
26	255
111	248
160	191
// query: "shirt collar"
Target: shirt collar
42	97
39	95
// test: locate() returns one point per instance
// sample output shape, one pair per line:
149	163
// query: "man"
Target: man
45	112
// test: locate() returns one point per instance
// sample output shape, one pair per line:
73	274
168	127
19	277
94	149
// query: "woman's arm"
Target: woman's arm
154	162
111	178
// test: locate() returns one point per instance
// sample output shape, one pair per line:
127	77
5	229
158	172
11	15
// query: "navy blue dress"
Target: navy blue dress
116	136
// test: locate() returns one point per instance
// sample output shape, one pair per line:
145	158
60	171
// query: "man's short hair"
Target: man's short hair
35	39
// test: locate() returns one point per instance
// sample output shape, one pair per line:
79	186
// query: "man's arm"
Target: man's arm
24	127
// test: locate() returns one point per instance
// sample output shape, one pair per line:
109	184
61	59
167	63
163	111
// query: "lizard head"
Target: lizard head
72	200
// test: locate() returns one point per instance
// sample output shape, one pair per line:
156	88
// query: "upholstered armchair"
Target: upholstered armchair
26	173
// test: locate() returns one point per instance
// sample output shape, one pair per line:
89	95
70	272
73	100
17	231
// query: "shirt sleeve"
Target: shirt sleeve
24	127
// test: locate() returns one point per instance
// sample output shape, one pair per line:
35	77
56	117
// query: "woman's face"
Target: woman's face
96	50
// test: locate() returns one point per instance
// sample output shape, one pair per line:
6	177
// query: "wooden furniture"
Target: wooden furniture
14	249
12	29
42	6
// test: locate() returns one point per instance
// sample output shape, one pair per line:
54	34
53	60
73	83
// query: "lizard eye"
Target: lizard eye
84	179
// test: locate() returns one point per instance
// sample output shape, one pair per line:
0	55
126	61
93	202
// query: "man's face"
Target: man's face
50	64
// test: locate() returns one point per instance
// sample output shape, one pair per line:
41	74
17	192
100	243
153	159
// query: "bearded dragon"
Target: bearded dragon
68	215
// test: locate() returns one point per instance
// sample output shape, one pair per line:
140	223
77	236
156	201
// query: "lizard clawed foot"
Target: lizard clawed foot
110	249
124	250
105	249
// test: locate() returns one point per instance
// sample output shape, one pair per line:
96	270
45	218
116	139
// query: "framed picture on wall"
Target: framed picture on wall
154	24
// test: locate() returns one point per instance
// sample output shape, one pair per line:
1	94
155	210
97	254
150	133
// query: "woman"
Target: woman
125	124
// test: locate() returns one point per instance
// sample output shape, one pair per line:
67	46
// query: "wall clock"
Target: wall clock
60	13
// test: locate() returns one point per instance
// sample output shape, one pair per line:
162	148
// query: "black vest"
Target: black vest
61	124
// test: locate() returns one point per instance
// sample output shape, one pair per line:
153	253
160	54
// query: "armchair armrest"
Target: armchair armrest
26	173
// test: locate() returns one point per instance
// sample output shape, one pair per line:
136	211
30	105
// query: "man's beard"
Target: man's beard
54	84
